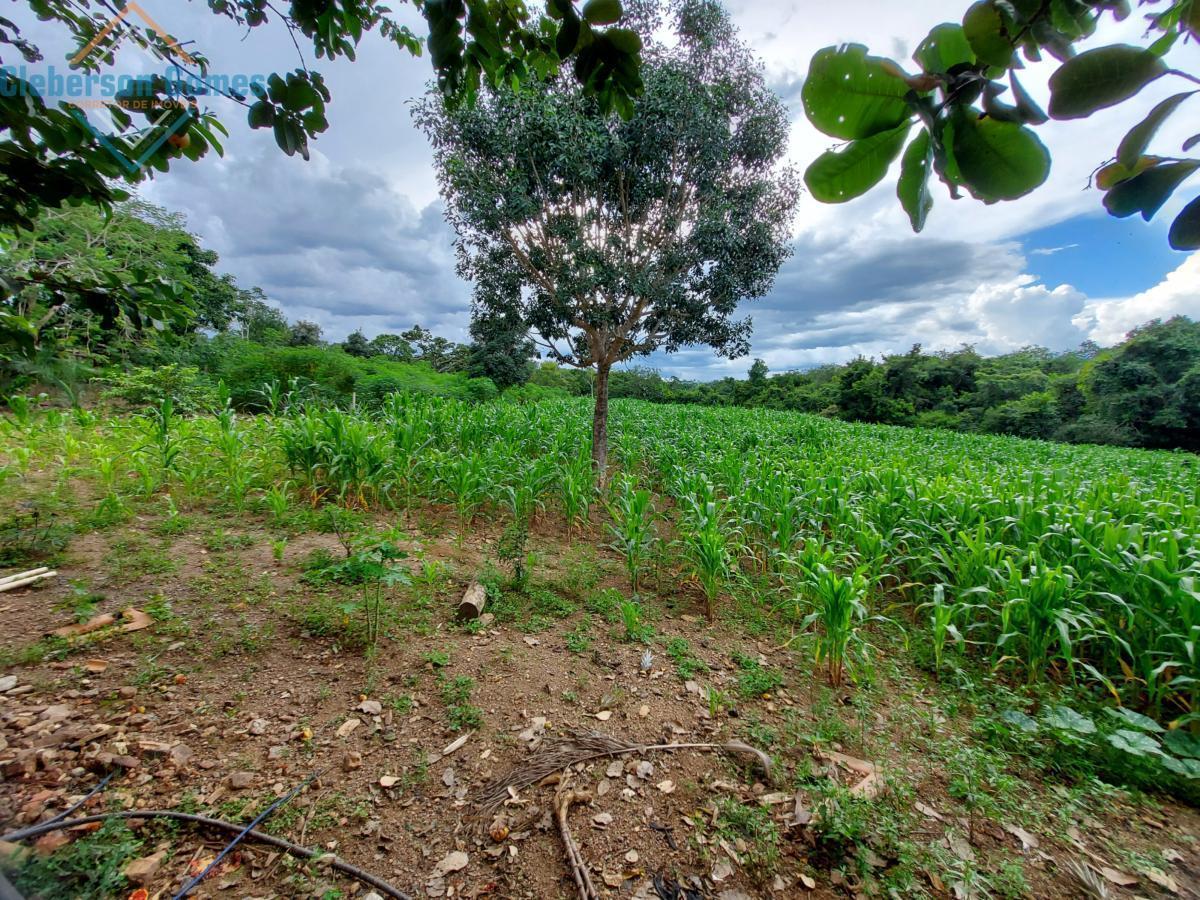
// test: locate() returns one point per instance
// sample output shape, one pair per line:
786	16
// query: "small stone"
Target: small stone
615	768
604	715
667	786
631	856
370	707
58	713
181	755
127	693
388	781
7	683
48	843
452	862
643	710
602	820
352	761
143	870
239	781
259	726
95	666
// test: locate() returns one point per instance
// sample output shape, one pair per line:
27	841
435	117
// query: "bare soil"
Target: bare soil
232	698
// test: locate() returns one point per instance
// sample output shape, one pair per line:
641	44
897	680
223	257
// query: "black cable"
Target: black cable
258	837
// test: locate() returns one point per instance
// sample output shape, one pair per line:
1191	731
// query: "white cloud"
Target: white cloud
1108	321
354	238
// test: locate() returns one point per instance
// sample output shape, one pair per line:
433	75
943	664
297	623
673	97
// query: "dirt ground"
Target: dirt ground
244	686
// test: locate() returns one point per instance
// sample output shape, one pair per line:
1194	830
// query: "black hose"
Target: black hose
92	793
257	836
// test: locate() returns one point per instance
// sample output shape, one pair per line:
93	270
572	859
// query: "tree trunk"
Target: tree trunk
600	426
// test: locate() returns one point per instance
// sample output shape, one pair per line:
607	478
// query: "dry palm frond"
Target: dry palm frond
581	746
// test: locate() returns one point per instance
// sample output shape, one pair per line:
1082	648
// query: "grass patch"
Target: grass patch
88	867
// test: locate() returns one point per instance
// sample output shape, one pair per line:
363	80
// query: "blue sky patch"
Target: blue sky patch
1101	256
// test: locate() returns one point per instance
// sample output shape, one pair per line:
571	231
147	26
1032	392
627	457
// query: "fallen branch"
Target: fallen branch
581	746
256	836
562	809
23	579
17	576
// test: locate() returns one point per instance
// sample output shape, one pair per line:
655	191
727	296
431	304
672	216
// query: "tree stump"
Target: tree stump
471	605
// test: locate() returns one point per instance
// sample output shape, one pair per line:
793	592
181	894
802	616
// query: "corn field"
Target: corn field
1046	562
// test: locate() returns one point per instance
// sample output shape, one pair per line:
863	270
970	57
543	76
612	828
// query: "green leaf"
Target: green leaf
835	177
1066	719
1020	720
913	186
1134	144
624	39
851	95
998	160
262	115
1188	768
1135	720
1134	742
568	37
1185	230
983	28
602	12
1147	192
1099	78
1182	743
944	47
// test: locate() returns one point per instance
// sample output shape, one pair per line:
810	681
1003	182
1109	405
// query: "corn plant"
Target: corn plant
465	478
577	490
632	527
706	544
839	610
942	627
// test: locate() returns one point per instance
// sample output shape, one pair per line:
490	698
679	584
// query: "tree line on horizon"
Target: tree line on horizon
1145	392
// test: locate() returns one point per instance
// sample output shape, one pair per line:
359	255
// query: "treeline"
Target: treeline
133	303
196	333
1144	392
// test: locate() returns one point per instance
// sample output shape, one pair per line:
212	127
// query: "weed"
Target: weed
753	828
686	663
755	679
456	694
91	866
579	638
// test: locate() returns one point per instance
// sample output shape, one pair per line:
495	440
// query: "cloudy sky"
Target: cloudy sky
355	237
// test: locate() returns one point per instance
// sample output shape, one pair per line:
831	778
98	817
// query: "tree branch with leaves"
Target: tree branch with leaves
970	139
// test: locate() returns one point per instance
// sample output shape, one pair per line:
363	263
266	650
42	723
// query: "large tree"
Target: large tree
609	237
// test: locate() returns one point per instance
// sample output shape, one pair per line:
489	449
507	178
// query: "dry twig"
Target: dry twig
562	809
581	746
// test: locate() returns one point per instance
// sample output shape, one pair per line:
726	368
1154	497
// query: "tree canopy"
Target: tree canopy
971	139
49	156
609	238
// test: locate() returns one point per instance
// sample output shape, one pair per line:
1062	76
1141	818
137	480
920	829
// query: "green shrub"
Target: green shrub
190	390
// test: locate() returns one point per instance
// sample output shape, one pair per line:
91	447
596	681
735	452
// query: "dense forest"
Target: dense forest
1145	392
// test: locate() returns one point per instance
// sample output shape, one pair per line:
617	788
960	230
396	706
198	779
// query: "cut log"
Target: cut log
471	605
13	585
